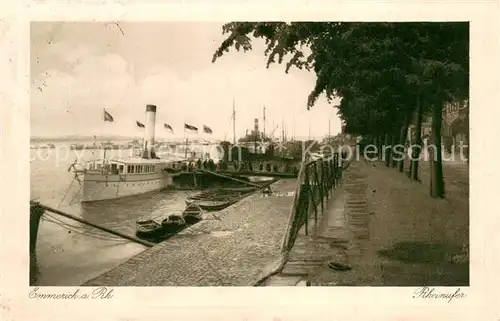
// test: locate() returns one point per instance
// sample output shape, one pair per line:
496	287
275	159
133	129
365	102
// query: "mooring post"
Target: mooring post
36	213
195	180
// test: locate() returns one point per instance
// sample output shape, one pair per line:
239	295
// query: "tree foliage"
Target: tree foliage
382	61
378	70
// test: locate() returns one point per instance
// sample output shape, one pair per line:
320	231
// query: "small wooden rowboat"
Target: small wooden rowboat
173	223
149	228
155	228
192	214
210	205
239	189
218	199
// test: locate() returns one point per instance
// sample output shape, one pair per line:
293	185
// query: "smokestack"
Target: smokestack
149	133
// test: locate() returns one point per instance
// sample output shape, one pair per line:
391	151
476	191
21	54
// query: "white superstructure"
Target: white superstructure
116	178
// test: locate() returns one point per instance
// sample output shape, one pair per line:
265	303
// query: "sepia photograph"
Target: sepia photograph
249	154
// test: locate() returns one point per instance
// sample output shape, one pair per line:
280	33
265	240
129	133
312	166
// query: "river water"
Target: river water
68	252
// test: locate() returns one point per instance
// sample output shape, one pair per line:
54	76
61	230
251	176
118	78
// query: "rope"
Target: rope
87	234
71	202
52	219
66	193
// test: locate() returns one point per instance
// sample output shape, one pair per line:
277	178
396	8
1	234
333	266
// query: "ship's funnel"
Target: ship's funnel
149	133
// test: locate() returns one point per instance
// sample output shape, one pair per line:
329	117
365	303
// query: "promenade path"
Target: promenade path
388	230
234	246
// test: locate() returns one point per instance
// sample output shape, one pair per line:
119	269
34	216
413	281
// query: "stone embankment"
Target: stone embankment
230	247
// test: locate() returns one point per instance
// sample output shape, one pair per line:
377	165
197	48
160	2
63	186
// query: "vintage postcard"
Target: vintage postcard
306	162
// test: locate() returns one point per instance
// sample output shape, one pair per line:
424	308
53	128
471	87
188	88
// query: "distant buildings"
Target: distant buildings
454	128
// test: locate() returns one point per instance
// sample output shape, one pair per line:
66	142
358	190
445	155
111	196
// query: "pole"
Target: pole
125	236
264	121
282	131
255	144
104	158
186	147
104	118
329	128
234	124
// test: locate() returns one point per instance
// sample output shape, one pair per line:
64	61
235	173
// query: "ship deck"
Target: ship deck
137	160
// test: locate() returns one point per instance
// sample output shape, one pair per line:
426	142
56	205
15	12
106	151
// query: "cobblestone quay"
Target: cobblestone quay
230	247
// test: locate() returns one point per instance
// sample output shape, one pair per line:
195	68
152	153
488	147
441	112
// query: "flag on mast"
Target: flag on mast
190	127
108	117
168	127
207	129
139	124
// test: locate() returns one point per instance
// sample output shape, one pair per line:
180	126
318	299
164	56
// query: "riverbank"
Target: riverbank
230	247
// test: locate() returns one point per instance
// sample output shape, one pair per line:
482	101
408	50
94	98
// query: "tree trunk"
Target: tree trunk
380	142
402	138
393	144
467	133
386	153
437	182
418	142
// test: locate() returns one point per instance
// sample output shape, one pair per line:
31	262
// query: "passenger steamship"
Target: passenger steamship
116	177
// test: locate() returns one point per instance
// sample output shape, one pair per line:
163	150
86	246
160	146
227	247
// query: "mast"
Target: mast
104	147
234	124
186	146
264	121
329	128
282	130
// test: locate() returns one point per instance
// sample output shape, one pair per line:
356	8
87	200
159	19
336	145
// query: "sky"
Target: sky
80	68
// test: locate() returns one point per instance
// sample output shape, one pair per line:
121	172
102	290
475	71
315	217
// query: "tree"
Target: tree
384	72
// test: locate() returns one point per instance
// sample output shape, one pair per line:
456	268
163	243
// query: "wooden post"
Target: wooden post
36	213
334	167
324	181
330	174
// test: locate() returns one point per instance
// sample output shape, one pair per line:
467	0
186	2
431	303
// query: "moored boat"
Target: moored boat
112	178
157	228
192	214
211	205
173	223
239	189
217	199
149	228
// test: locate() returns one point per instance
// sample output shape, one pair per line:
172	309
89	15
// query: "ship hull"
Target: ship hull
104	187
